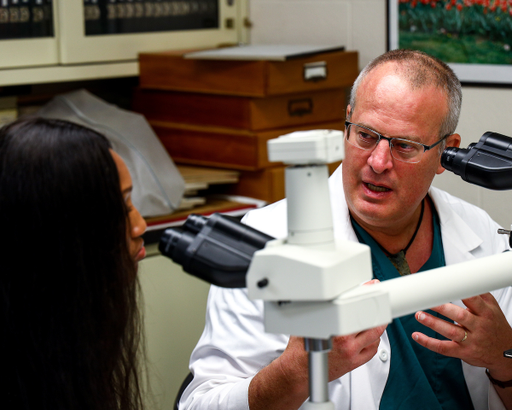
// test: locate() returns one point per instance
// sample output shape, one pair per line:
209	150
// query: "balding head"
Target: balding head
419	70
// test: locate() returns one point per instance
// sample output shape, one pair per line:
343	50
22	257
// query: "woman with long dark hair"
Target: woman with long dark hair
70	240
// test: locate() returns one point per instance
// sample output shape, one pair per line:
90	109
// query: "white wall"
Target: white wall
357	24
361	25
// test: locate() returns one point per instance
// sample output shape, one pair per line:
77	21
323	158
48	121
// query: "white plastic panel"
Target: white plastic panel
28	52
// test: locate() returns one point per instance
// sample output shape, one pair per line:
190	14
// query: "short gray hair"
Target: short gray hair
420	70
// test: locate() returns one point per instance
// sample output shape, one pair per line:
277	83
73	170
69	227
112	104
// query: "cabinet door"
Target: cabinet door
27	33
117	30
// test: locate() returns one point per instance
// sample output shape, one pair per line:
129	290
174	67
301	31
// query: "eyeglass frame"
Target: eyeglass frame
348	124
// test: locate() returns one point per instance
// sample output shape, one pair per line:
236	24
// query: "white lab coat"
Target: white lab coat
234	346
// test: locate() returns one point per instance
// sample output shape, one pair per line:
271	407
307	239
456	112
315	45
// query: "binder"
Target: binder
48	13
126	21
211	17
143	16
41	18
139	16
110	22
158	16
24	23
13	24
148	16
4	19
93	15
129	20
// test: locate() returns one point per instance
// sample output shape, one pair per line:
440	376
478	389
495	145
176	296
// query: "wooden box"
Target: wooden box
257	78
224	147
267	184
249	113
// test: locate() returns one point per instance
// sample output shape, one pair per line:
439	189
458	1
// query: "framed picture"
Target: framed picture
473	36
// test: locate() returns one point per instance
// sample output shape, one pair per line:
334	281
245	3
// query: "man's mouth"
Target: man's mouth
376	188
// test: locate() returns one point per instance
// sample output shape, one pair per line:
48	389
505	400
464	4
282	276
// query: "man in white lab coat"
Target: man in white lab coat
403	112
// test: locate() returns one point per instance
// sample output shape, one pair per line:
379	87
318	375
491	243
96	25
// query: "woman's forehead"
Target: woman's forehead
124	175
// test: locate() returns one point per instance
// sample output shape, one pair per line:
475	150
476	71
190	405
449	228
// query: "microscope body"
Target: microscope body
313	285
303	273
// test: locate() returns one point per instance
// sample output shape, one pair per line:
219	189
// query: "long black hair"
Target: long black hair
68	286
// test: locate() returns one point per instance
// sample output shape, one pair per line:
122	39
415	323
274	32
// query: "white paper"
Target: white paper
273	52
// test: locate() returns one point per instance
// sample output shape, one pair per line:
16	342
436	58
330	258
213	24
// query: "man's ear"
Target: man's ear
452	141
348	112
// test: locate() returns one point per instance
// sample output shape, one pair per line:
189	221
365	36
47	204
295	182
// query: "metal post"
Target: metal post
318	350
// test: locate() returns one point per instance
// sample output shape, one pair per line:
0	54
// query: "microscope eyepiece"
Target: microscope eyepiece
195	223
447	158
487	163
217	249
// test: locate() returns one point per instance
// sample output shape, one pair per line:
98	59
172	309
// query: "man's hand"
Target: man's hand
350	352
283	384
479	336
347	353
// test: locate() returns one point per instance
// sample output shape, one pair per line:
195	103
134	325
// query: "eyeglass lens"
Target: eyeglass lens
401	149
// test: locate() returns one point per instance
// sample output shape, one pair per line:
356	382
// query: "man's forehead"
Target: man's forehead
386	79
407	115
381	83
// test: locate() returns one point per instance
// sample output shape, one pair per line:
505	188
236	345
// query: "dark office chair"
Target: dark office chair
184	385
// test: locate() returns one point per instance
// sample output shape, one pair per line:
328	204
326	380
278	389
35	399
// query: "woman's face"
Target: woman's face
136	223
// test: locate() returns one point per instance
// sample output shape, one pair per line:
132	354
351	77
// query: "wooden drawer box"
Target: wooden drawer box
223	147
249	113
170	71
267	184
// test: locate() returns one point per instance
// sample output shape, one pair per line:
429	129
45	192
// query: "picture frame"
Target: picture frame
474	37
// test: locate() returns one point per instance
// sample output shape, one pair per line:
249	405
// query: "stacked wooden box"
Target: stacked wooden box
219	113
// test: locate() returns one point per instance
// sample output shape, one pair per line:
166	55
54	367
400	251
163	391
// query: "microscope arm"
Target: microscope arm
368	306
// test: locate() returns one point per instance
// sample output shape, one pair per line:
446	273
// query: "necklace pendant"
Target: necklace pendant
400	263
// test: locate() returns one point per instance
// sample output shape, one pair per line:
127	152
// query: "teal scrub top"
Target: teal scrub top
418	378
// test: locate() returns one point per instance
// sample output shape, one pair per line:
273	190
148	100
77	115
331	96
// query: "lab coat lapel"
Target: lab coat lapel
459	240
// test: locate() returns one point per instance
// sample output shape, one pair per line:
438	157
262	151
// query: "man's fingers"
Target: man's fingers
371	282
444	347
447	329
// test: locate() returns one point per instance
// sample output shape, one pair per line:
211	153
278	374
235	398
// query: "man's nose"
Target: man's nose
380	159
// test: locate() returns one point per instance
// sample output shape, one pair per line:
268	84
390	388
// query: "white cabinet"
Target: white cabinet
27	33
74	50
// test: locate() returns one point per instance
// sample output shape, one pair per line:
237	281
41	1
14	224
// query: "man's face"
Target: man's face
383	193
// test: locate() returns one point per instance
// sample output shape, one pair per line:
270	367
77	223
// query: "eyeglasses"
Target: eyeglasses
401	149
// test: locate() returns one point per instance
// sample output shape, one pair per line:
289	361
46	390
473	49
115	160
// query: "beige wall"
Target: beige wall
174	314
361	25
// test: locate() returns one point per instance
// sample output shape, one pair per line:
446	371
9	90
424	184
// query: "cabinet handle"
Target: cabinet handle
300	107
316	71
